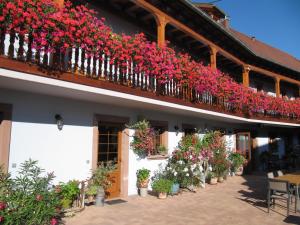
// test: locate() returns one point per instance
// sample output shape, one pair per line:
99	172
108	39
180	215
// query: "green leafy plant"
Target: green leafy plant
162	150
143	177
4	181
29	198
100	176
92	190
237	160
211	175
69	192
162	185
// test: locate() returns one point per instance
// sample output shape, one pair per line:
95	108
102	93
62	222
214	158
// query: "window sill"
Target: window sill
158	157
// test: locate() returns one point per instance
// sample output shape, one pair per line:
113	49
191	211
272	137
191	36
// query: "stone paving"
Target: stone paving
237	201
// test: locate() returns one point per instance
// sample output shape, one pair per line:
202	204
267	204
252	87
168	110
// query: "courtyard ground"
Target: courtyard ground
237	201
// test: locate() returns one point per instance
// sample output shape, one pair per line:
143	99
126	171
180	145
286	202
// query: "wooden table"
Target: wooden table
293	178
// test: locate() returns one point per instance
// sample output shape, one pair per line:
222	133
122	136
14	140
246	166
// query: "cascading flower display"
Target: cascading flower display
49	28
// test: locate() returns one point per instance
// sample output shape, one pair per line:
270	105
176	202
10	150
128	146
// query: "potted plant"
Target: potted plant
162	186
100	179
213	179
162	150
237	160
91	192
69	192
142	181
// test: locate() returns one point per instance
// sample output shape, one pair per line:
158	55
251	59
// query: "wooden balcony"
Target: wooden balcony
74	66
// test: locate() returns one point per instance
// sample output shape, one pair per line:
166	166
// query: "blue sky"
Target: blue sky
275	22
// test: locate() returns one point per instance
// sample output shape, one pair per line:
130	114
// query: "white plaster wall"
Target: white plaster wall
69	152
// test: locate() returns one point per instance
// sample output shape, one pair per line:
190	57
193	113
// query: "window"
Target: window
108	142
160	139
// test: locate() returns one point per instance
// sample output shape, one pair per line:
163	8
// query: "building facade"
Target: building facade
71	122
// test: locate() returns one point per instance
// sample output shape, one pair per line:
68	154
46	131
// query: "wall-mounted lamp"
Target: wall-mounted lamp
176	128
59	121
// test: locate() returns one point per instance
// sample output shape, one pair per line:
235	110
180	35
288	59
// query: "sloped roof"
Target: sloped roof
258	48
267	52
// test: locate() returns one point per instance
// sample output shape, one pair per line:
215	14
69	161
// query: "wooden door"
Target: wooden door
243	145
109	149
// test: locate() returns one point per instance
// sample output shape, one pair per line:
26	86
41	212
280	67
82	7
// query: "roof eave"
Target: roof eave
203	14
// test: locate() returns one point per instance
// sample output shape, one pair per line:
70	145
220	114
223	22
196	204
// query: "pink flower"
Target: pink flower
39	197
53	221
2	205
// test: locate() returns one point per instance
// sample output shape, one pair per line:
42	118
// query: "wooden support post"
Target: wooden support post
213	57
277	86
246	70
161	23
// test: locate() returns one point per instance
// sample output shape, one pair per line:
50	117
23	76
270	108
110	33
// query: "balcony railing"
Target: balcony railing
75	61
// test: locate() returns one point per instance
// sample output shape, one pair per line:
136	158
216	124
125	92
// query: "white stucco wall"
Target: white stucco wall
69	152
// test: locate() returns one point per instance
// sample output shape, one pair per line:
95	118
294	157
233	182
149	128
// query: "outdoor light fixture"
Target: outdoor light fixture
59	121
176	128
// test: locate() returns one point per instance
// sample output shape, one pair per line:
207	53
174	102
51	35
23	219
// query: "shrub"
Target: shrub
30	198
69	192
162	185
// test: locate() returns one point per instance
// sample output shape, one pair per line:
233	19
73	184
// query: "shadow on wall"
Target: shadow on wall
42	109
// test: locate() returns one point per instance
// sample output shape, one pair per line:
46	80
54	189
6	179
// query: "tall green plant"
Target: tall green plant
29	198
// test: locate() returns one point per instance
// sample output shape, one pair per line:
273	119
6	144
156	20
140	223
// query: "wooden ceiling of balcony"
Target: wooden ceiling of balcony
181	41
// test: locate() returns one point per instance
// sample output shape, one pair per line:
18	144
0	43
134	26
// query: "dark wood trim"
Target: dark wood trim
159	123
112	119
5	134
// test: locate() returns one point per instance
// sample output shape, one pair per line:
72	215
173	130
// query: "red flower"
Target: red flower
1	219
2	205
53	221
39	197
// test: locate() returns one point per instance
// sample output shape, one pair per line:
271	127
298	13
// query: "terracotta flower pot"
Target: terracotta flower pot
220	179
144	184
90	198
162	195
213	180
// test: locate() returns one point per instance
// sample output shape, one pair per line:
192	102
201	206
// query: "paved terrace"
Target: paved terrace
238	201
